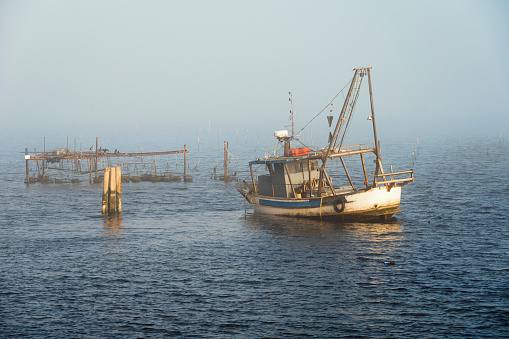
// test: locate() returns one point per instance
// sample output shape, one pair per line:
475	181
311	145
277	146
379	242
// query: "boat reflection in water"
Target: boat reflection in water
346	255
312	228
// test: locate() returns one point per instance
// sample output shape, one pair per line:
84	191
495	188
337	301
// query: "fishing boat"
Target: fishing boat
297	183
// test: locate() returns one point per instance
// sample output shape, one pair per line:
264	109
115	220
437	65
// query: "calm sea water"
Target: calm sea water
185	259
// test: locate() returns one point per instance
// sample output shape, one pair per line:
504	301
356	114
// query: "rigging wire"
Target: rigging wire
339	143
306	125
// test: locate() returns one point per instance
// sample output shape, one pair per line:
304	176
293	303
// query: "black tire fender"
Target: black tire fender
339	205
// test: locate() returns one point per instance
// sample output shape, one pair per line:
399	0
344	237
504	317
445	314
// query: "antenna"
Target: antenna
329	119
291	113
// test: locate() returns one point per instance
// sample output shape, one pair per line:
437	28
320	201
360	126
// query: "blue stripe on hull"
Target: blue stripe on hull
289	204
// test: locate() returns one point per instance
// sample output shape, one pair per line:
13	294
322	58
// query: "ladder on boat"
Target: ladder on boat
348	108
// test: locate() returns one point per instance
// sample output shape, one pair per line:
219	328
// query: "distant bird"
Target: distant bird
91	148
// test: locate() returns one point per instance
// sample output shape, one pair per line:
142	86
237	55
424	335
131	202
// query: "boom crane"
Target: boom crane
344	120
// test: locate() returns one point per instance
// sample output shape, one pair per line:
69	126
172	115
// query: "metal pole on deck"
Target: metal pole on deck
377	149
253	179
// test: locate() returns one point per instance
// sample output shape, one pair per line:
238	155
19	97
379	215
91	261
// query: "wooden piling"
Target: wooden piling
119	189
112	191
96	155
37	163
106	182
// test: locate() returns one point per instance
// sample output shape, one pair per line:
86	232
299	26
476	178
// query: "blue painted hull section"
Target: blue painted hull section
290	204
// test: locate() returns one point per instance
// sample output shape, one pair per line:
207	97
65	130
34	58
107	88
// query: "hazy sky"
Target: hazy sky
179	62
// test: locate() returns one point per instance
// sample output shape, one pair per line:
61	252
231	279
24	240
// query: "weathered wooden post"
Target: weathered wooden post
96	153
112	190
106	182
119	190
187	178
185	166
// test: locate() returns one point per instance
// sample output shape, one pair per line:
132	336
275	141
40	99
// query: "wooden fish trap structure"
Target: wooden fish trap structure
227	176
66	166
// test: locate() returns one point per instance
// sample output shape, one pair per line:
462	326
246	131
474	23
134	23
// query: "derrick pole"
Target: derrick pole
377	147
336	130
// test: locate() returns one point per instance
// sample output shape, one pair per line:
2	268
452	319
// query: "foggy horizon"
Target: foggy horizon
436	65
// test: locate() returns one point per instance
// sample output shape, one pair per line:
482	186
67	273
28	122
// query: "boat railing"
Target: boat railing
352	149
393	181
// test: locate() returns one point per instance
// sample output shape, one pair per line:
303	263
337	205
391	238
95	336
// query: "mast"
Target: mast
291	111
287	139
377	150
291	114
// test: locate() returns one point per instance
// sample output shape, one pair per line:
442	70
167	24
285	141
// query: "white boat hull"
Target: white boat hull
368	204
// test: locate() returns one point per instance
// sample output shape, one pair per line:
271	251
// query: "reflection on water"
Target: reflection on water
183	261
358	244
288	225
113	225
319	228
